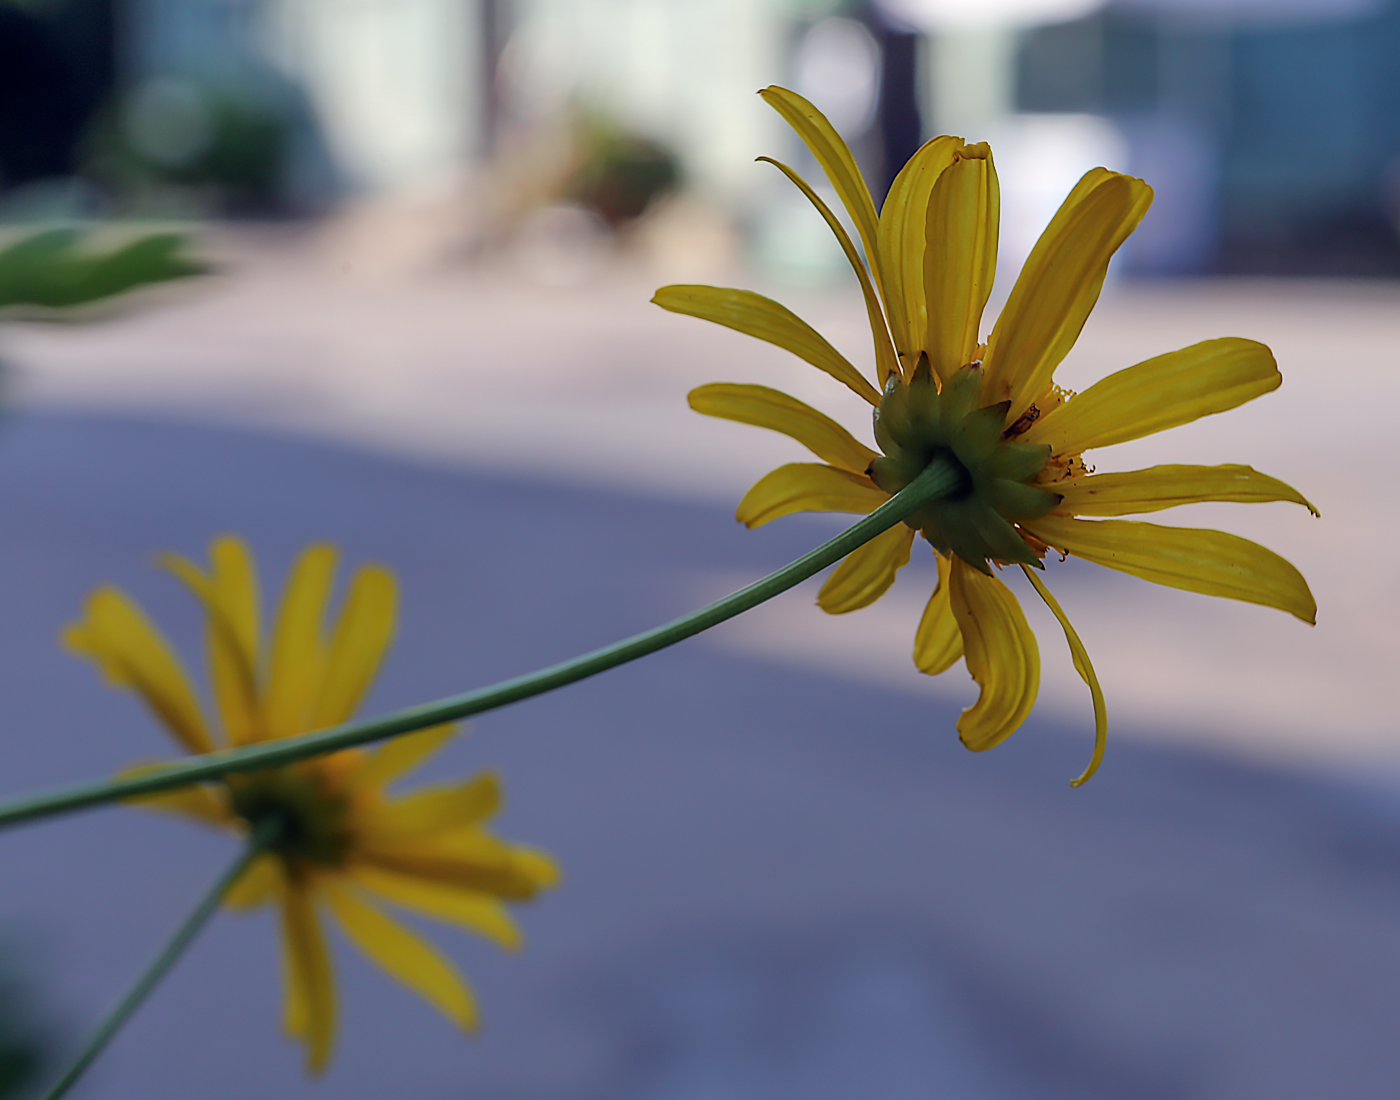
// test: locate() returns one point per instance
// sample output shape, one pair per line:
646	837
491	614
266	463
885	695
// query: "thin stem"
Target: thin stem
936	480
263	836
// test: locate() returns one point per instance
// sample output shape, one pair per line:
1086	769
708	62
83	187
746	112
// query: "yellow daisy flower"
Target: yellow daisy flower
342	837
993	411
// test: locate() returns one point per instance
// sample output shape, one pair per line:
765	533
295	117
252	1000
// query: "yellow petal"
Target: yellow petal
1085	668
1059	285
435	809
1161	393
767	408
467	861
404	955
808	487
901	245
400	756
259	885
1197	560
834	155
960	258
131	653
866	573
479	913
357	647
229	595
1167	486
206	804
310	1007
938	643
886	363
294	674
755	315
1001	655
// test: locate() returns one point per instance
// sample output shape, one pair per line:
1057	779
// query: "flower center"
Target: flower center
312	816
917	422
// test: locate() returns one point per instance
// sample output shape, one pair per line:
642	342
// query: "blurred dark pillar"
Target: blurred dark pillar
897	117
56	68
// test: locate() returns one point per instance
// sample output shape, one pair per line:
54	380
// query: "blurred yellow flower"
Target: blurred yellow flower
341	836
993	410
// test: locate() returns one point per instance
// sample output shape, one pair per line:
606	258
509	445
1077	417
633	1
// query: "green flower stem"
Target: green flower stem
934	482
263	837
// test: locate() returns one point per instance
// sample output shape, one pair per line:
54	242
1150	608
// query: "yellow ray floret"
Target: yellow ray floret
987	407
344	844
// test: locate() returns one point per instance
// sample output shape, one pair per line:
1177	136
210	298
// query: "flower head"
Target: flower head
990	407
341	838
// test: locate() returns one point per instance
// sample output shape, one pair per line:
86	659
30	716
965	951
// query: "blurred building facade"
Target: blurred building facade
1271	131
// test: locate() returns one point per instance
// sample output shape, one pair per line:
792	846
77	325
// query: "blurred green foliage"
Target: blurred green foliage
619	174
52	270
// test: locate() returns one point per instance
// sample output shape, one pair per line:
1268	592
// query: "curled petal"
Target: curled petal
938	643
902	236
399	756
1167	486
866	573
960	258
1085	668
1001	655
404	955
434	809
755	315
132	653
768	408
1059	285
1161	393
808	487
1198	560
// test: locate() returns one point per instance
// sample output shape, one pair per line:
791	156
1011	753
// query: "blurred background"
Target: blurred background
431	229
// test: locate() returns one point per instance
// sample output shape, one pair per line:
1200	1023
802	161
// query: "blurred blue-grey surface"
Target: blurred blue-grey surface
777	884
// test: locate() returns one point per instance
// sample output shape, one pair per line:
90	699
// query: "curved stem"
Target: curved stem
262	838
930	485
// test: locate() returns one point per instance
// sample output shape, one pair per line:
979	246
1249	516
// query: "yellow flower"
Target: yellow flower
993	410
341	836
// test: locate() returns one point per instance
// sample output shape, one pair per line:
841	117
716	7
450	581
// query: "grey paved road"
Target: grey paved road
779	884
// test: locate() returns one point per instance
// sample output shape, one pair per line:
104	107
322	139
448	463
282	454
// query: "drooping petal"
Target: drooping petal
808	487
834	155
886	362
768	408
866	573
434	809
294	673
1085	668
902	236
400	756
206	804
132	653
404	955
357	647
310	1007
1161	393
1001	655
960	257
261	884
1059	285
938	642
479	913
1161	487
468	860
229	593
1198	560
755	315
